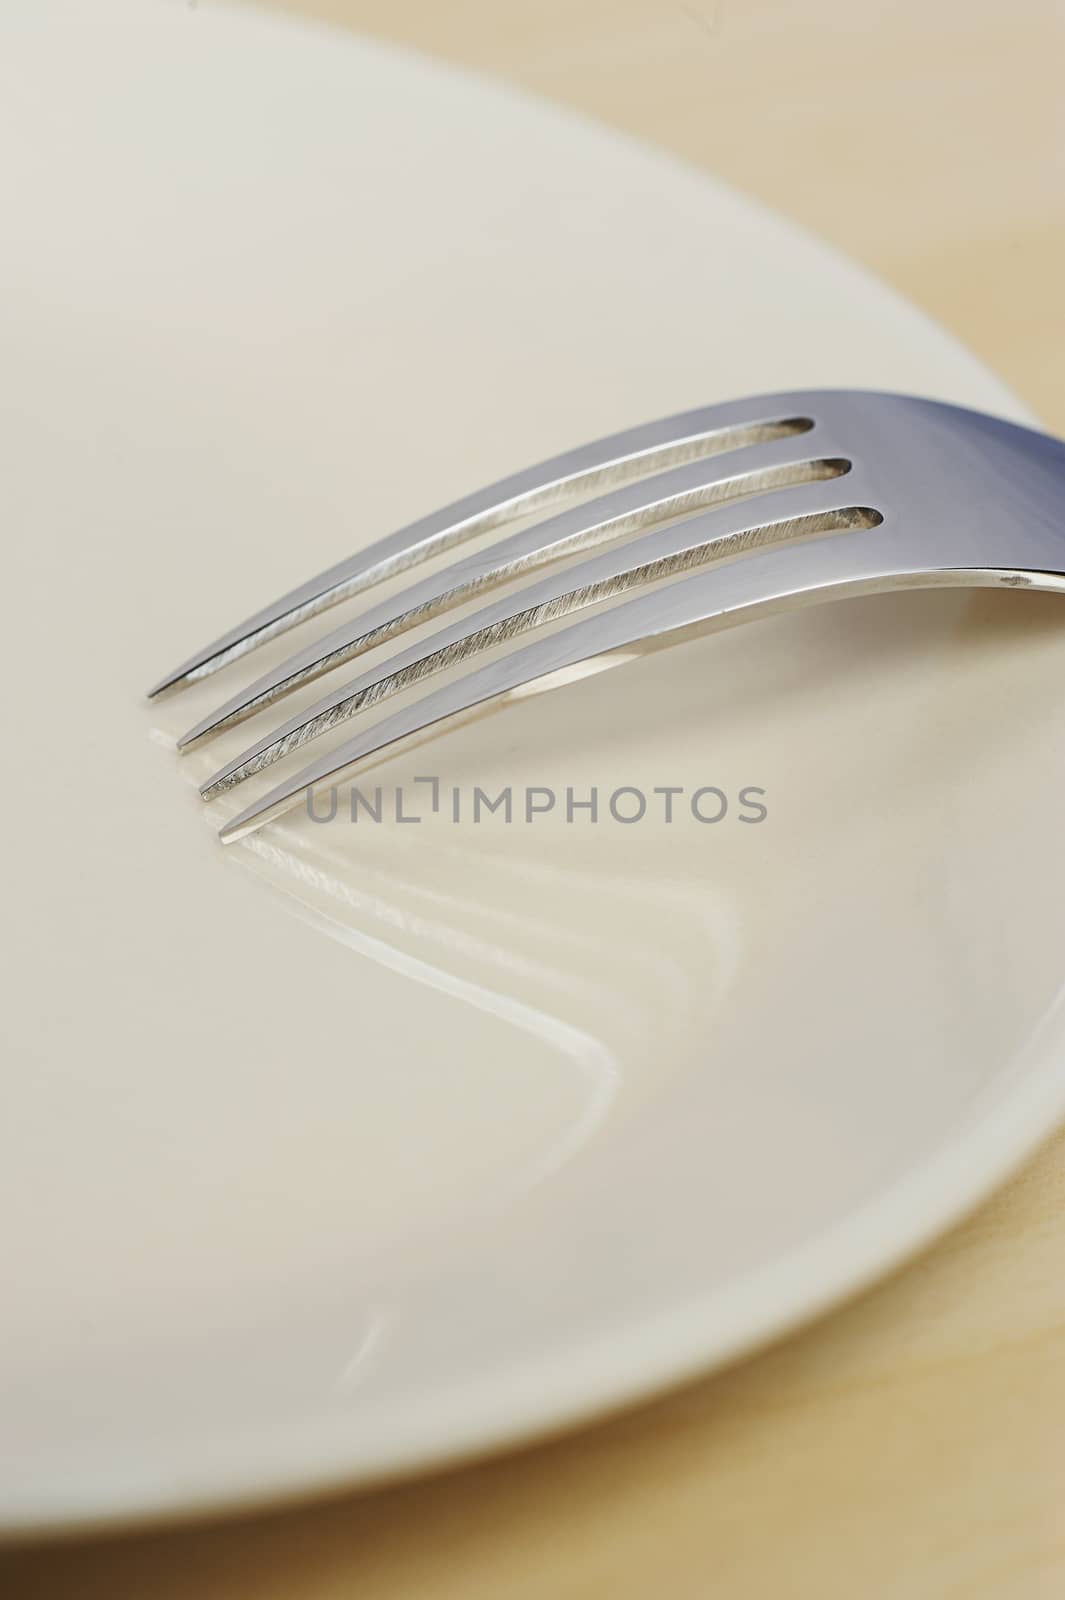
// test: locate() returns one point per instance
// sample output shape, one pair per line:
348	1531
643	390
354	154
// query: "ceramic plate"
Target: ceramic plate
361	1147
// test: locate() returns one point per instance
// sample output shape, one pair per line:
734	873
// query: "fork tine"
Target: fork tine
757	467
618	458
517	613
769	579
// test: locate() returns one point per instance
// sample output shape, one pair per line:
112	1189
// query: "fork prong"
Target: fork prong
769	579
603	577
626	509
618	458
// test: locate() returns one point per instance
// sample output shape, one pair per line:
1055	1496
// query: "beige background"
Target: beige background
913	1444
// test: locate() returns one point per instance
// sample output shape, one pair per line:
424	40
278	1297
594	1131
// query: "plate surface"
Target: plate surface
357	1148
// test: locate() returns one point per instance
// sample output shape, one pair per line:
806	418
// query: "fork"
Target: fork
709	518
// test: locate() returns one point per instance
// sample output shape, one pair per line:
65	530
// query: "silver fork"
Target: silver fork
805	496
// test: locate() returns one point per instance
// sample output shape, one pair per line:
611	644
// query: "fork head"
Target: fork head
702	519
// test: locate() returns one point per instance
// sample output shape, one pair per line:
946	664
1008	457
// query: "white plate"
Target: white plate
356	1149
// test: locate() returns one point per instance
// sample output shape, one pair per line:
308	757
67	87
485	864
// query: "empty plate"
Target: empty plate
361	1146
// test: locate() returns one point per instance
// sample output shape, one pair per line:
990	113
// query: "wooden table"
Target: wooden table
913	1444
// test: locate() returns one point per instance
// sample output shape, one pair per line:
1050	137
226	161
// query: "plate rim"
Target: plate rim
653	1356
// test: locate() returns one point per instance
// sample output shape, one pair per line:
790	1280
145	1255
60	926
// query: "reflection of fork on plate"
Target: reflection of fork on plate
512	956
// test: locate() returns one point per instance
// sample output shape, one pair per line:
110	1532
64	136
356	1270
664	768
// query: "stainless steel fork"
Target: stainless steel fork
763	504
